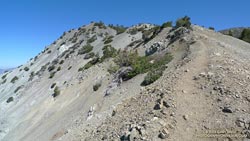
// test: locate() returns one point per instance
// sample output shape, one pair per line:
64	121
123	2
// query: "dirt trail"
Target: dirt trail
191	104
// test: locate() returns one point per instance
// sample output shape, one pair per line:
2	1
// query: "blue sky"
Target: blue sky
27	26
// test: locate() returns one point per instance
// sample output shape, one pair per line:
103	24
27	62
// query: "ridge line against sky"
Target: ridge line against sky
28	26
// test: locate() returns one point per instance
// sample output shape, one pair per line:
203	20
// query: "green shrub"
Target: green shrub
14	79
211	28
26	69
49	52
51	68
58	69
17	89
4	76
100	24
53	85
10	99
56	92
61	62
113	69
92	39
97	86
4	81
108	51
52	74
32	74
141	64
89	55
133	31
91	63
166	24
108	40
85	49
183	22
245	35
147	35
152	76
119	28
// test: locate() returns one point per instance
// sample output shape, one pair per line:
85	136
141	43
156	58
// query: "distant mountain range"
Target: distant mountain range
3	70
235	32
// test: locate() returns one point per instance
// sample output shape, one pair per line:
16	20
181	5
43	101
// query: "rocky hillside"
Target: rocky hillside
145	82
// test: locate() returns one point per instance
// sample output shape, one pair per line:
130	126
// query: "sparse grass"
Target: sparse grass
97	86
85	49
14	79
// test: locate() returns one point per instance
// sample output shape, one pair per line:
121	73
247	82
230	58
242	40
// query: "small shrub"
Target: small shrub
85	49
26	69
89	55
113	69
166	24
108	51
17	89
211	28
108	40
183	22
245	35
56	92
53	85
61	62
119	28
14	79
152	76
51	68
97	86
52	75
32	74
4	76
10	99
58	69
133	31
49	52
91	63
92	39
4	81
100	24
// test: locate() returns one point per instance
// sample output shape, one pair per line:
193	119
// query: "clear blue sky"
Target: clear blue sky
27	26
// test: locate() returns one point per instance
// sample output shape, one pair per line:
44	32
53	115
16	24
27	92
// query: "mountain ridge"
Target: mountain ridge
87	85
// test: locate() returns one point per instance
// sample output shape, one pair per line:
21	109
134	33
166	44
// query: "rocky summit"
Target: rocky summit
145	82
